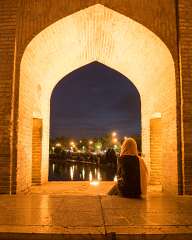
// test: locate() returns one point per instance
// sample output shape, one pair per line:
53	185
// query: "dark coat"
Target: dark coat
128	175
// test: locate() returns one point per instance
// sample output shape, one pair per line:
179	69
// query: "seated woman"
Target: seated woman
131	172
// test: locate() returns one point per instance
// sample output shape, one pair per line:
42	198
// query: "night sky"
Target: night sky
94	100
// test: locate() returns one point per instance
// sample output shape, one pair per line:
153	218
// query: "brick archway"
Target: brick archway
98	34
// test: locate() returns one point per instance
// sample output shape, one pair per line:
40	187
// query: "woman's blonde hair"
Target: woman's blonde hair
129	147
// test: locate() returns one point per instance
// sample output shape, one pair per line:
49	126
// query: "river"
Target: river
80	171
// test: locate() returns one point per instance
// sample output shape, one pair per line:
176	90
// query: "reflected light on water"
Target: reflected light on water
53	167
99	176
115	178
83	173
72	172
90	176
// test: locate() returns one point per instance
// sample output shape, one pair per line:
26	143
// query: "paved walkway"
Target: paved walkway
38	216
73	188
79	188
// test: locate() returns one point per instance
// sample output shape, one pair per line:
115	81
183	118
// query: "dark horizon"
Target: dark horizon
92	101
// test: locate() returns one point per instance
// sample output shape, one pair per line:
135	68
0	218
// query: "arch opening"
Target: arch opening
97	34
87	106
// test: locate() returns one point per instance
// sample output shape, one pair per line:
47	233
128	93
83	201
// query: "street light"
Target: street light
73	147
83	148
58	144
114	134
115	140
72	144
90	142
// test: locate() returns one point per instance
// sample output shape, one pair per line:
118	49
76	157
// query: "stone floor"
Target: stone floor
80	188
73	188
54	216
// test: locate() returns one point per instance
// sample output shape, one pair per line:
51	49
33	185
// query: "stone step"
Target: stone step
88	236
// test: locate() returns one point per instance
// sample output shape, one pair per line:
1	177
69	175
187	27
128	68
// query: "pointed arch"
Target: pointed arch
98	33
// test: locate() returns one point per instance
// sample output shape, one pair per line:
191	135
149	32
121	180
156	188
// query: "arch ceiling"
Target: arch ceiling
98	34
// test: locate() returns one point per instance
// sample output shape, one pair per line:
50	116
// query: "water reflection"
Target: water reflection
115	178
53	167
90	176
69	171
99	176
83	173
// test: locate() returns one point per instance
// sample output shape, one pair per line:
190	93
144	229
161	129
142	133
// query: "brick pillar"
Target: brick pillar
155	152
36	151
185	57
7	61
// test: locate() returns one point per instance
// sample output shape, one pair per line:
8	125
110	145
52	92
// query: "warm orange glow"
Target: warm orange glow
99	176
114	134
58	144
124	45
94	183
90	176
115	140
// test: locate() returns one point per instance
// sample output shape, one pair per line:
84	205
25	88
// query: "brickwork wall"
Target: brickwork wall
36	151
33	17
7	48
155	151
185	47
82	32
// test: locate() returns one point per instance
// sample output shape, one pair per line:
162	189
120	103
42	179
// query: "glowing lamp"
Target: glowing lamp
94	183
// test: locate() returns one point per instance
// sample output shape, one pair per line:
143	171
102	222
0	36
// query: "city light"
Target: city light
58	144
114	134
90	142
115	140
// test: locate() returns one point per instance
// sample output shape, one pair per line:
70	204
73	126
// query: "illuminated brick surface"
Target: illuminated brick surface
43	41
